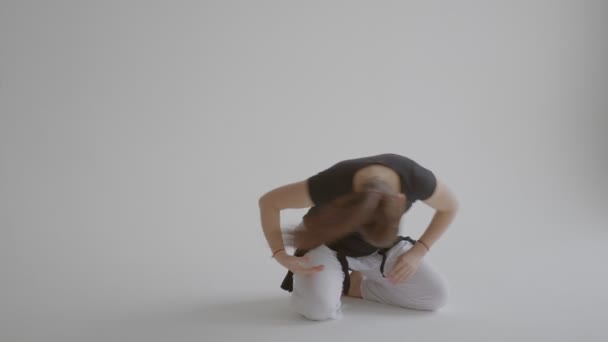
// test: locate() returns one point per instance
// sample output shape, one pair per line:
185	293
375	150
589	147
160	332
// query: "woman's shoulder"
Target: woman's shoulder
395	157
375	157
354	163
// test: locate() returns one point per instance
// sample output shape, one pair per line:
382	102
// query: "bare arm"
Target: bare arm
295	196
446	205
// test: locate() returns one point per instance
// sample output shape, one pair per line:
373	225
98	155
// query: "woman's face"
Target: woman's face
380	235
383	229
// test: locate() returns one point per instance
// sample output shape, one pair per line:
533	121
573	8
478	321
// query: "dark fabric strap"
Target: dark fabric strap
383	251
344	263
287	283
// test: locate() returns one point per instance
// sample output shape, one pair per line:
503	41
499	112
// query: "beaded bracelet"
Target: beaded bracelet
277	251
425	245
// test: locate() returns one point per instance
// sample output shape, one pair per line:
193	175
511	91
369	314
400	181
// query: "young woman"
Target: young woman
353	225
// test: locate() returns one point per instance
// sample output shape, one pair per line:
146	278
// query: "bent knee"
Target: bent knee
431	299
317	308
434	299
434	303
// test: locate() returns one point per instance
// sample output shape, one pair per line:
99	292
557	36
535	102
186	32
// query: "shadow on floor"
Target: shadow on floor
277	311
189	318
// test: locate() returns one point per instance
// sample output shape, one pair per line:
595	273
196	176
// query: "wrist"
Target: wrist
419	249
281	257
278	252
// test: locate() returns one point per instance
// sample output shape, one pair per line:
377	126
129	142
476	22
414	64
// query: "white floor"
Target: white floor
136	139
515	287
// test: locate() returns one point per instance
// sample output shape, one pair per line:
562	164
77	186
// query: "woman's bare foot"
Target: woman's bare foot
355	285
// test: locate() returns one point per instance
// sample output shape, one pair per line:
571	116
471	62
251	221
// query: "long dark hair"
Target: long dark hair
374	212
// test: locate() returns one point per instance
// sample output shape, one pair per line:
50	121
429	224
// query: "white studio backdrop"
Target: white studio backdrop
136	138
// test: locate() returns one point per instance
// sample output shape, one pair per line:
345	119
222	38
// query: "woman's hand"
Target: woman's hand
297	265
406	265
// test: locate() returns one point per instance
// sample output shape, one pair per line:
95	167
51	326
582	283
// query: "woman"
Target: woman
353	225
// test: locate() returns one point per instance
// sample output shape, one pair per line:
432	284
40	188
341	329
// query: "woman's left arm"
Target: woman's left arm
444	201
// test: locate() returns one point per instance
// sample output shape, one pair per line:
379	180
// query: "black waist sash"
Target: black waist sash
341	255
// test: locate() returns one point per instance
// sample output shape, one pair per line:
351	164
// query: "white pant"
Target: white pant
317	296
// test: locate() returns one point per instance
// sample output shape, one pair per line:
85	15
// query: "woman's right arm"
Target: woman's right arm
290	196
